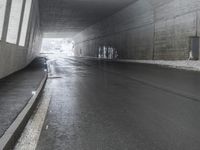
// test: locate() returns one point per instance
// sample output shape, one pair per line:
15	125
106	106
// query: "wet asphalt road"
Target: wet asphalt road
100	105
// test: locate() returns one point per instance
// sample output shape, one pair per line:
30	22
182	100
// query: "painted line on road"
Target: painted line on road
32	131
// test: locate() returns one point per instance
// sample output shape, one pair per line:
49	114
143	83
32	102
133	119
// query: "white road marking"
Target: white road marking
31	133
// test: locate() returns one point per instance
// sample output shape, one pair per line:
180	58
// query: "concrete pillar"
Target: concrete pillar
6	20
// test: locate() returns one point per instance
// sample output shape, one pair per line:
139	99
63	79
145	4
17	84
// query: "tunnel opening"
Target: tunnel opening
56	46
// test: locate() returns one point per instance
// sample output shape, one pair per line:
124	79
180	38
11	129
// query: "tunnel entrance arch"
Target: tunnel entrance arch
58	46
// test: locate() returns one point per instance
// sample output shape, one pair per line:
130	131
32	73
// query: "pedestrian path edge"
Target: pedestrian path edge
10	137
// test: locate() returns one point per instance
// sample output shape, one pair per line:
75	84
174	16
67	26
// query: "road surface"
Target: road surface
97	105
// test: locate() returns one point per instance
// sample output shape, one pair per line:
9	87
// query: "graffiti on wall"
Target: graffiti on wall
107	52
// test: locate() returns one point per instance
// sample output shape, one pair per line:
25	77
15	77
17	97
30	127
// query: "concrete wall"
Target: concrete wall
146	29
14	57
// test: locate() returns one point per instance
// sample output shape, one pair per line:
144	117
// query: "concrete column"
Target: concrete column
6	20
29	24
21	20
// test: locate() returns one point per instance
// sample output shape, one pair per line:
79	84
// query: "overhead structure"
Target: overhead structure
65	18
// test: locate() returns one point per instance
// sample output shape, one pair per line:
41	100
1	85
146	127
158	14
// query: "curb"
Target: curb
179	67
10	137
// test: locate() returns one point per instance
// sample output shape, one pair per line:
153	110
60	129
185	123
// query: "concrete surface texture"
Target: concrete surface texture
14	57
68	17
146	29
120	106
16	91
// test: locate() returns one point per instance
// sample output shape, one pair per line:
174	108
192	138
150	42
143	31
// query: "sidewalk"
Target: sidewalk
179	64
16	91
190	65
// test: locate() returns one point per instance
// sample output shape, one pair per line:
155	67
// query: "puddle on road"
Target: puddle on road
54	77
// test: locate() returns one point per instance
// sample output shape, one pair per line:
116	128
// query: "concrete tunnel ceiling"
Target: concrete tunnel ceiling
65	18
